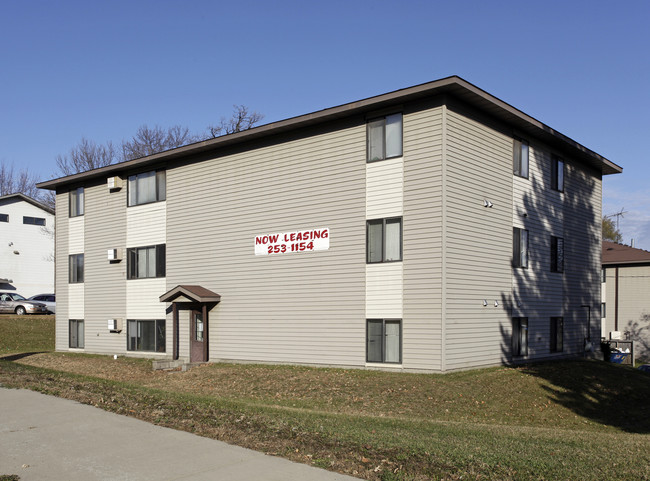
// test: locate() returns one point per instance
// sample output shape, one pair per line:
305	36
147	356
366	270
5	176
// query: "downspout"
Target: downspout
443	250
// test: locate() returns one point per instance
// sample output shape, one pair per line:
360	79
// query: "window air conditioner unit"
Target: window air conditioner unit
114	254
114	183
115	324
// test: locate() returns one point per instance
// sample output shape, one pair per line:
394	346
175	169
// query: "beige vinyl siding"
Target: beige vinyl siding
299	307
384	188
104	282
538	293
61	285
422	227
573	215
384	199
145	225
142	299
583	245
76	234
478	240
384	290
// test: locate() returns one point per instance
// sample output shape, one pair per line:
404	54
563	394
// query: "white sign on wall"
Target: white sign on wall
288	242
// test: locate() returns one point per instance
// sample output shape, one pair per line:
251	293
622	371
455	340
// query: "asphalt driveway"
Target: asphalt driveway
48	438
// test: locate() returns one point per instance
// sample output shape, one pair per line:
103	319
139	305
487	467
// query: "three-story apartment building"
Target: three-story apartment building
430	229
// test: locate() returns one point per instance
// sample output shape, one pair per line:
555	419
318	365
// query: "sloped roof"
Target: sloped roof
453	86
617	254
28	199
194	293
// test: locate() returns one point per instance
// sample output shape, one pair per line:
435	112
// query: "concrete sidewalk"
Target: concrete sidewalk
58	439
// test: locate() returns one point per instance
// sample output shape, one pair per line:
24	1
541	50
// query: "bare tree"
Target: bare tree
241	119
87	155
148	141
14	182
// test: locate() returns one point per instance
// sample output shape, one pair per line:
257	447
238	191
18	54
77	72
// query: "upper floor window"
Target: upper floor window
557	254
77	202
147	187
384	240
385	137
603	275
520	158
519	247
557	173
33	220
146	262
76	268
4	217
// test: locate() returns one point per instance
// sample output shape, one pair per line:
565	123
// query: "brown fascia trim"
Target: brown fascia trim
639	263
30	200
453	85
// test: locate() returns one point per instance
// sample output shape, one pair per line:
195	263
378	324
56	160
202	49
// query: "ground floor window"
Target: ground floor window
557	334
384	340
146	335
519	336
76	331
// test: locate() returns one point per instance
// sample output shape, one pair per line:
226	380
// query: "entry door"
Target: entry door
198	337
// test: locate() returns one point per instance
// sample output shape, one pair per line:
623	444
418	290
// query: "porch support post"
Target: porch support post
206	331
175	331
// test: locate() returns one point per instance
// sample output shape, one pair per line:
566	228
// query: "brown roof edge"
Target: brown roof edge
196	293
453	85
618	254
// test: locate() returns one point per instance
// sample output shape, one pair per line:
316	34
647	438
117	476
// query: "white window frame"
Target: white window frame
384	340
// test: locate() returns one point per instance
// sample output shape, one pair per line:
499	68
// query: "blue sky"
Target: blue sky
99	70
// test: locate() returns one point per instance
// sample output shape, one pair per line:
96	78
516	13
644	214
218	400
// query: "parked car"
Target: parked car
10	302
48	299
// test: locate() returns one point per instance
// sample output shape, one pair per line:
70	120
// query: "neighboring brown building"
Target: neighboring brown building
626	295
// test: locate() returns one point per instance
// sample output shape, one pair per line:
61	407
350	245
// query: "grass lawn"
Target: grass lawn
564	420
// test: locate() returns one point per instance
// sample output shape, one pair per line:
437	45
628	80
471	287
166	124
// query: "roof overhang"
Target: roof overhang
26	198
454	86
190	293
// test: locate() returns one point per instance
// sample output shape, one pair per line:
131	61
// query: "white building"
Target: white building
26	245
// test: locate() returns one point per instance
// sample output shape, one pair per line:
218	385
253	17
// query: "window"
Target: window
557	254
384	340
77	202
146	187
33	220
520	247
146	335
557	334
519	336
146	262
384	137
384	240
557	173
603	310
520	158
76	272
76	330
4	217
603	275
